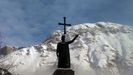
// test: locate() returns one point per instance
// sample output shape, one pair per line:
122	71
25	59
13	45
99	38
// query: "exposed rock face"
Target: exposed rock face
4	72
7	50
101	49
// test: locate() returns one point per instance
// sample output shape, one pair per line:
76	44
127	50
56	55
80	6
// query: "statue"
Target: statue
63	52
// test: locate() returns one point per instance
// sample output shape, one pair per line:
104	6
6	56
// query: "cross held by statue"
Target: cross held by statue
65	24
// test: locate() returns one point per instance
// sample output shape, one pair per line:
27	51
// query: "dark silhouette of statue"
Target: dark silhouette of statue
63	49
63	52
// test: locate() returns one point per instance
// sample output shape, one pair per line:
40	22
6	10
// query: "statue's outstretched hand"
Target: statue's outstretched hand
77	35
69	42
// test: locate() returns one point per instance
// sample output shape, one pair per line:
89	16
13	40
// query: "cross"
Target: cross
64	24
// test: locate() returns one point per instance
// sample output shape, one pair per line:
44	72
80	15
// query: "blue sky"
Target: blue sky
29	22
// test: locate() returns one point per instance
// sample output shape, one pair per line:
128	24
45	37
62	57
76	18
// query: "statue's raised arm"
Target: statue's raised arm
69	42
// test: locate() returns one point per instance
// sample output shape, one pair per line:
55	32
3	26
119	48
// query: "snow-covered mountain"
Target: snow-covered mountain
102	48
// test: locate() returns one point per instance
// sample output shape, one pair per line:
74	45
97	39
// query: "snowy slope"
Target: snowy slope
102	48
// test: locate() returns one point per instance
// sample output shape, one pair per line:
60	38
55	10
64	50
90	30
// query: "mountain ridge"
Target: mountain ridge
102	48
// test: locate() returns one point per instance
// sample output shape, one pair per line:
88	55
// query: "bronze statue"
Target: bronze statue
63	49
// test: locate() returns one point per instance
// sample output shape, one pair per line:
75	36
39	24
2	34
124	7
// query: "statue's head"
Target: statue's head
63	38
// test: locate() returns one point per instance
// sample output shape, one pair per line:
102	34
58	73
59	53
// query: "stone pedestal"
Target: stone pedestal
64	72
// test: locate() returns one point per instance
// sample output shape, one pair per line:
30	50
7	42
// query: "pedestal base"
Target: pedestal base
64	72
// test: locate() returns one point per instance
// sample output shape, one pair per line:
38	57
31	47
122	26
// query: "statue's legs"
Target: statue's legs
64	64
